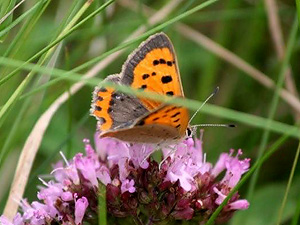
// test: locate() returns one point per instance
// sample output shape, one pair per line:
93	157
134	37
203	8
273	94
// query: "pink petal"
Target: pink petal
67	196
128	186
241	204
18	220
220	165
103	175
80	207
5	221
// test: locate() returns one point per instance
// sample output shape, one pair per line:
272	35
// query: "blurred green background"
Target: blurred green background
240	26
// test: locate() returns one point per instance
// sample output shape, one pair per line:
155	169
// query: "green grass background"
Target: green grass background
240	26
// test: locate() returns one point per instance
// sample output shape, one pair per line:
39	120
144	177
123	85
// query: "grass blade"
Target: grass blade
296	214
217	111
288	187
274	102
20	18
298	9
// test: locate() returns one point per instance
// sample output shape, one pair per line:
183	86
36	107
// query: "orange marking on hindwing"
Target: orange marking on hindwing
170	115
102	100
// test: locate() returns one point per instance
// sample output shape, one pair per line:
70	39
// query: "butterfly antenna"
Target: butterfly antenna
213	125
206	100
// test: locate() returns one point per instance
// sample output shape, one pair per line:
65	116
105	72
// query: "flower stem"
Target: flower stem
102	211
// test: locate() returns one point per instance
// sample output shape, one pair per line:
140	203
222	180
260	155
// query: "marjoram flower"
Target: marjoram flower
184	187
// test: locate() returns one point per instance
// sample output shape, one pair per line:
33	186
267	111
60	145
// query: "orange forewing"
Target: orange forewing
157	72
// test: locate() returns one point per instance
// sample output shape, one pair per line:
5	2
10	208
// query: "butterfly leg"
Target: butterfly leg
148	155
173	150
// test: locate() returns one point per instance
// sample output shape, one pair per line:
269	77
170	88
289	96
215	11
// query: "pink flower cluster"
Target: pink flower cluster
185	187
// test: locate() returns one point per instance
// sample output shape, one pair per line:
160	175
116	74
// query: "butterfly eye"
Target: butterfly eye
188	132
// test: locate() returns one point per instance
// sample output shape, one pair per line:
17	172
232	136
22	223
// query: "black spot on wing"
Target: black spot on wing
171	109
166	79
145	76
162	61
111	102
176	114
155	62
171	93
144	86
169	63
102	89
98	108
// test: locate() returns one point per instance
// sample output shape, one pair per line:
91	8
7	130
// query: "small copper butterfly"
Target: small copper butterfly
151	67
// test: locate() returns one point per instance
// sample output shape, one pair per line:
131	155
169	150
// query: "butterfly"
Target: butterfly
151	67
